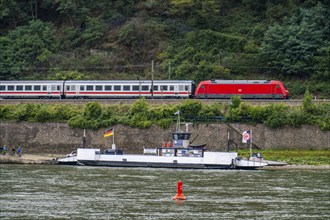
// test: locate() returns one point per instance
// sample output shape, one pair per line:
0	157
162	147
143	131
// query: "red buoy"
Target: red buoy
179	195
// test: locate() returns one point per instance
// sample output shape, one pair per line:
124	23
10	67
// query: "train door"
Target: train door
70	91
278	91
202	91
187	89
55	91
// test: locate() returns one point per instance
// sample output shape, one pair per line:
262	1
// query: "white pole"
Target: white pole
113	139
178	125
152	79
169	70
251	143
84	139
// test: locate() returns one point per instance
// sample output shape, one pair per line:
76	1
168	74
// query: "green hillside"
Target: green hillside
187	39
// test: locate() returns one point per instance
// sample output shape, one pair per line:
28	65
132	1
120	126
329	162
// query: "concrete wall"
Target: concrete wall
59	138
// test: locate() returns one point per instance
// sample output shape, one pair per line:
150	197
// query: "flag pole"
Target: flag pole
113	139
84	139
250	143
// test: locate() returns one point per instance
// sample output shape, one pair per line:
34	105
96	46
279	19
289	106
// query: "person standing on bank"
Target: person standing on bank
19	151
4	149
13	151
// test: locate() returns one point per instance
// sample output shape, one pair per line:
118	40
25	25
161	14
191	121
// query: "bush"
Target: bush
276	116
139	107
257	113
235	101
165	123
215	109
92	110
64	112
140	115
26	112
296	117
6	112
80	121
307	101
190	108
44	115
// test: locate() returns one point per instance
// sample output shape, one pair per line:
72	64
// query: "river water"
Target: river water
78	192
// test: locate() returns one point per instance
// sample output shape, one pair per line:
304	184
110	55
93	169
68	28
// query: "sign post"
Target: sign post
247	138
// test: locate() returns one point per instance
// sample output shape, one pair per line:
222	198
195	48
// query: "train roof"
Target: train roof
95	81
30	81
129	81
217	81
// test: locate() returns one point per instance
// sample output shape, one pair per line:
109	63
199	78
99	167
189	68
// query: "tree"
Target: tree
26	47
75	10
13	13
94	31
199	55
293	46
197	12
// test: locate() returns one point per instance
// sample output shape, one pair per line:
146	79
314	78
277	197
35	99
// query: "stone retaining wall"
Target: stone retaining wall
59	138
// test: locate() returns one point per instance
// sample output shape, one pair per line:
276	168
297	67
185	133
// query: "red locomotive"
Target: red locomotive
263	89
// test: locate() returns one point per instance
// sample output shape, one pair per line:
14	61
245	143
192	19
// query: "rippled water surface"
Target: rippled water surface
77	192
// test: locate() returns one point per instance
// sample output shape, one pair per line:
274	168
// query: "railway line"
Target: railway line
293	102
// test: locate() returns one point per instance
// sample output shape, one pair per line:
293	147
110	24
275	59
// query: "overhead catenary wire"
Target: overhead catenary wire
147	65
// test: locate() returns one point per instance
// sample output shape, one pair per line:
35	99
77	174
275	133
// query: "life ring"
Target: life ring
168	144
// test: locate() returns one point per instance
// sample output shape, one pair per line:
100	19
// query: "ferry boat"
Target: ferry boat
183	158
181	153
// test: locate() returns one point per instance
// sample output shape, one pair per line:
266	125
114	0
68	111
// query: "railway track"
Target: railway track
150	101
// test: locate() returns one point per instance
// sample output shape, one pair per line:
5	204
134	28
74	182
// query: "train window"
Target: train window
117	88
180	87
145	88
53	88
155	88
107	88
28	88
36	88
126	88
2	88
10	88
136	88
44	88
19	88
98	88
68	88
82	88
164	88
186	88
58	88
171	88
89	88
73	88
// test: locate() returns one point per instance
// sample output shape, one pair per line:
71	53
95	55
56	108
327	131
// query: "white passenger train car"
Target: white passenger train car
129	89
30	89
97	89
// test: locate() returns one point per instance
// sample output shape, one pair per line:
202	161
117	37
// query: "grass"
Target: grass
294	156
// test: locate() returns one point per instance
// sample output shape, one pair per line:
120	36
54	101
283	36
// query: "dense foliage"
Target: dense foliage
142	115
188	39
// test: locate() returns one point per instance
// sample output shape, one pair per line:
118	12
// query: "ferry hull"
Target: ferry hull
209	160
153	165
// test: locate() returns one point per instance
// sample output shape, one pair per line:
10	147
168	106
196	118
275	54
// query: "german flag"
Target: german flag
108	133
